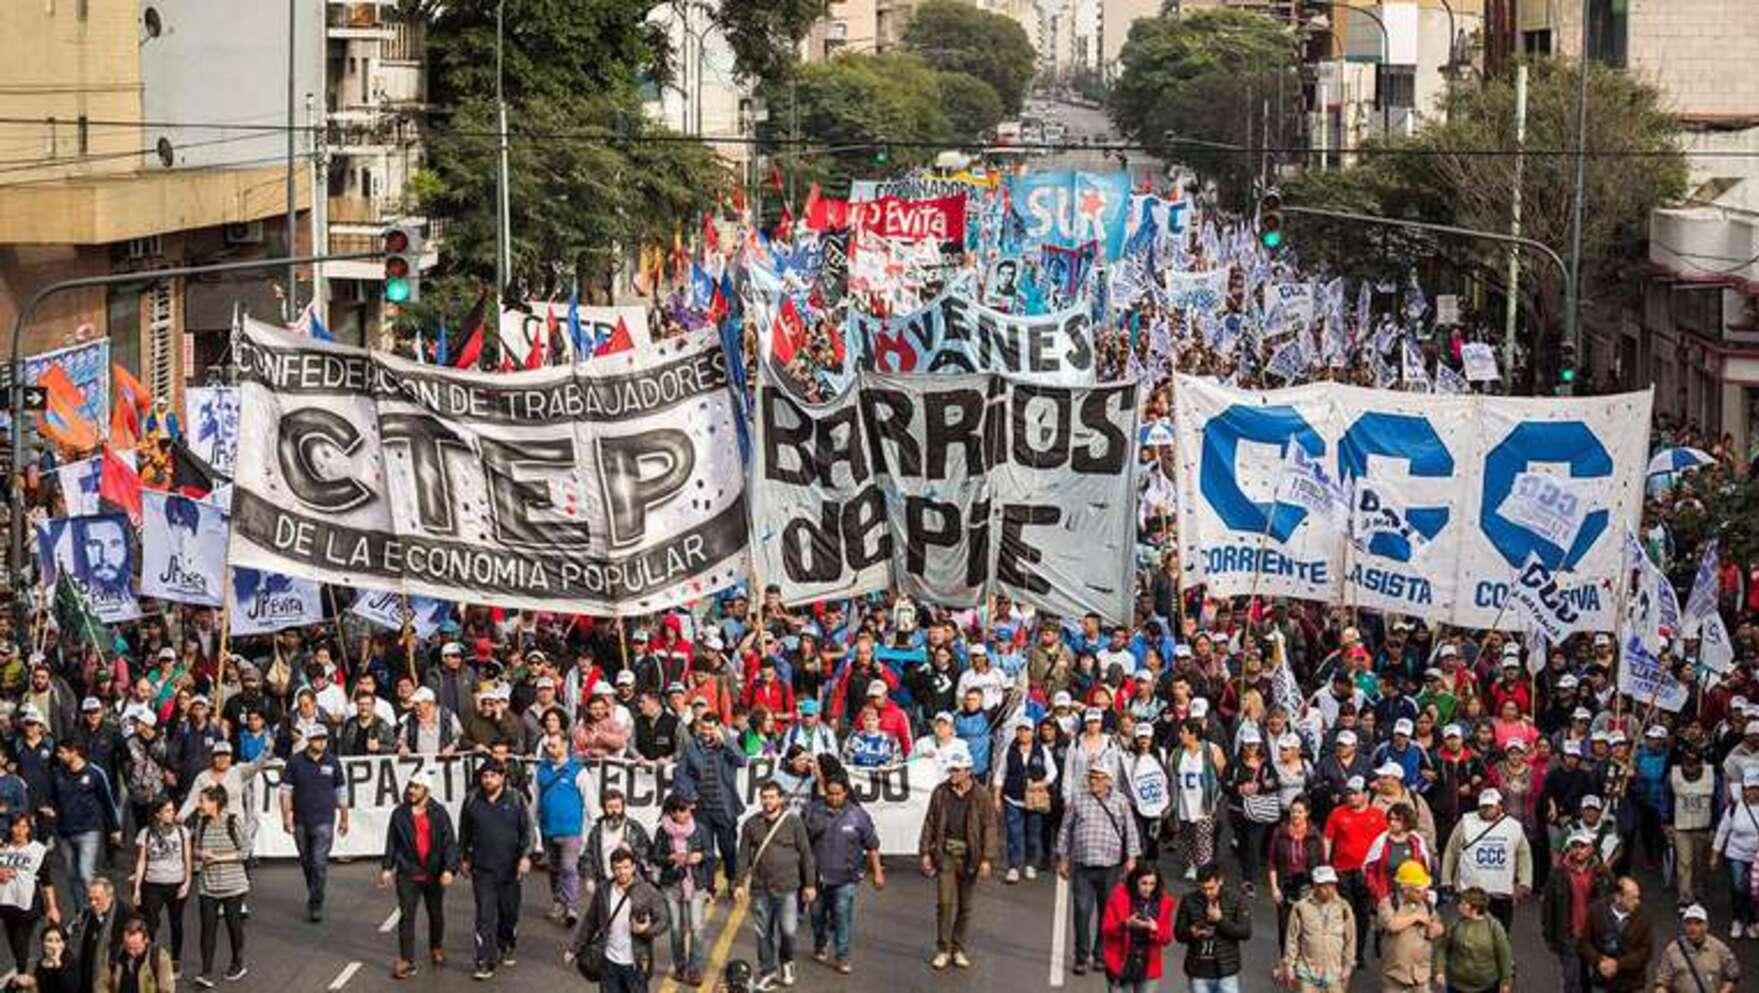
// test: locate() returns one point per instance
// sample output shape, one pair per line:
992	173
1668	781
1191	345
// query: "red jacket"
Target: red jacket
776	697
896	723
1518	693
1114	937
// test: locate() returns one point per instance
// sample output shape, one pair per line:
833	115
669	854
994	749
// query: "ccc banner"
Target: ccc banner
1433	510
611	487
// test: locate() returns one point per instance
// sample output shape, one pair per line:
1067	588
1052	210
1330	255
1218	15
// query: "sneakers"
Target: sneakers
939	961
1013	876
960	960
557	911
508	958
1753	930
402	969
438	955
844	966
821	956
236	973
1031	872
1735	930
204	982
1079	968
787	974
765	982
315	914
483	972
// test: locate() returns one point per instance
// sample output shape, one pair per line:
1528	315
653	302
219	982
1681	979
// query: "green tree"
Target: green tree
591	176
953	36
971	105
850	106
1192	86
1461	171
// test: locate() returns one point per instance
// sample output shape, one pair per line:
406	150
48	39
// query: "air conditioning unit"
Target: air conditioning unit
244	233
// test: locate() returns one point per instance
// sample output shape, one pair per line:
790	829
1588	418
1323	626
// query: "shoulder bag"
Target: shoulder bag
591	959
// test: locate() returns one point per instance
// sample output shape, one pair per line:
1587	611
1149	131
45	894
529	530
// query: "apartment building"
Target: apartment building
96	180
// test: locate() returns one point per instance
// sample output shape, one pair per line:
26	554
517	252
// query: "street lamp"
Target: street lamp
1323	23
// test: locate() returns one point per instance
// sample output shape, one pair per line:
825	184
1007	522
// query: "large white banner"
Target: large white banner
948	488
896	799
955	334
1429	477
613	487
183	549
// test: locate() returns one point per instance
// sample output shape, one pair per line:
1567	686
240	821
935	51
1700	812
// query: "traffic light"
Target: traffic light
1566	369
881	154
402	247
1270	219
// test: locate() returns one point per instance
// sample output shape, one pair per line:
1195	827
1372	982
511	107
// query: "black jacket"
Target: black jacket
1217	955
443	853
495	834
645	901
592	853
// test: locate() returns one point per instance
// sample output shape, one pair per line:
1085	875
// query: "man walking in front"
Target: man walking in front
314	810
1319	952
421	855
1696	961
1489	850
494	837
1212	923
844	842
959	845
1097	842
562	789
1617	947
777	854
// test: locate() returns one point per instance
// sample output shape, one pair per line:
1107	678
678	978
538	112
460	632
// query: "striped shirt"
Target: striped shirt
223	879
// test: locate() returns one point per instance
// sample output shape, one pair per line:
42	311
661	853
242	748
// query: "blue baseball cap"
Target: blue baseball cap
808	706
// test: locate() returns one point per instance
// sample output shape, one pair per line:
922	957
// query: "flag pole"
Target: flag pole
406	637
341	636
225	635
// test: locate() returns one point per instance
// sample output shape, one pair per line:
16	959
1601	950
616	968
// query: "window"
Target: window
49	150
84	136
1609	31
1536	42
1395	86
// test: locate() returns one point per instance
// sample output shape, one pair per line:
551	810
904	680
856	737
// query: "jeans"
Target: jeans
1092	884
1570	966
1025	830
83	850
313	842
211	908
776	917
618	978
833	919
21	927
726	838
1353	887
155	897
1740	896
563	854
1141	986
430	894
497	916
688	920
1226	984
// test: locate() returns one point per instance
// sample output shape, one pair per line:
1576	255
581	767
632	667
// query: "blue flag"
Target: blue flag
442	351
577	337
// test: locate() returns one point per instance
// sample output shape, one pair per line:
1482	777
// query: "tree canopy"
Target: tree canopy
1191	83
958	37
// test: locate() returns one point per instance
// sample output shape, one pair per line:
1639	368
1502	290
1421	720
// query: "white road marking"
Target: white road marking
391	921
345	975
1059	933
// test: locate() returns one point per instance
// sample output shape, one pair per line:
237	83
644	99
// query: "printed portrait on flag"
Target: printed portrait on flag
211	425
97	553
183	549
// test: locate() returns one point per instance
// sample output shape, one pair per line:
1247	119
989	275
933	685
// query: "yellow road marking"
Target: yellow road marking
717	959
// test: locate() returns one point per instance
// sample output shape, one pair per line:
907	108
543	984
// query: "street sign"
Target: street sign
36	399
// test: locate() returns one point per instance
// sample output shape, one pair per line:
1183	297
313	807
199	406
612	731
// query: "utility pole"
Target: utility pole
320	207
1572	303
503	195
290	303
1508	334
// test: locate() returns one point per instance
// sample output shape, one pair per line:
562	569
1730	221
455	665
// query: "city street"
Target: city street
353	947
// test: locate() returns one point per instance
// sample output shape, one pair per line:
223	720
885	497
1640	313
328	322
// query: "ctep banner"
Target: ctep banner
608	488
896	799
954	334
948	489
1434	484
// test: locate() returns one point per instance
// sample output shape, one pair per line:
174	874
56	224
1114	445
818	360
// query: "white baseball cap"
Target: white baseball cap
1346	737
1489	797
602	688
1695	912
1590	800
1390	769
1323	875
1200	707
422	695
1453	731
878	687
1403	726
1248	736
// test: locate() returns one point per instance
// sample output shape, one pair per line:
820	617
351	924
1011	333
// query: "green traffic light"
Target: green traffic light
397	290
1568	375
1272	239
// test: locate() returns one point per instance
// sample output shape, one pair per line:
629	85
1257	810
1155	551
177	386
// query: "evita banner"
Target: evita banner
896	799
1417	504
608	488
949	489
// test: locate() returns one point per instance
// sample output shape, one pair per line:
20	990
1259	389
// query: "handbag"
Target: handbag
1262	808
1038	797
591	959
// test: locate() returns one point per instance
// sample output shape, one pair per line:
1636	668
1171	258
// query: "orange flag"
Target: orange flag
63	422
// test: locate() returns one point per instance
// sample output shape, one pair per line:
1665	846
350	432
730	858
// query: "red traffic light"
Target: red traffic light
396	267
396	241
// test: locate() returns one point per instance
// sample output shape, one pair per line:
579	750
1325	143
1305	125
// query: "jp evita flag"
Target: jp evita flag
608	488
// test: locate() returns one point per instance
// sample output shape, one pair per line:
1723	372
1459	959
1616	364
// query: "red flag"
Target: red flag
119	485
474	324
506	363
619	341
711	236
718	307
539	353
785	226
738	200
788	333
776	178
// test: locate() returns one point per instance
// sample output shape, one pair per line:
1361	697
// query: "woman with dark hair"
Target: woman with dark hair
54	971
222	844
25	893
1136	925
1296	847
163	869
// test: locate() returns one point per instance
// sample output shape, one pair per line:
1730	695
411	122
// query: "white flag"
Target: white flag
1715	649
1549	505
1449	381
1702	601
1480	362
183	549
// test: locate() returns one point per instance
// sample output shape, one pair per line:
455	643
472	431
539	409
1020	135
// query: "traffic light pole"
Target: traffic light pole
1541	247
16	561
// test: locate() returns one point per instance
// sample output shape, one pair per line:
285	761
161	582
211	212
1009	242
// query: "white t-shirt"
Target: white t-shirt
26	862
619	943
1490	862
164	853
1191	784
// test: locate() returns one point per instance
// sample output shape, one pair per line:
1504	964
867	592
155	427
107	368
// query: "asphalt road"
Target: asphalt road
352	948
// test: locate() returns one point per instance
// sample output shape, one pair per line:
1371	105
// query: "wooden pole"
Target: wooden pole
225	638
406	637
341	636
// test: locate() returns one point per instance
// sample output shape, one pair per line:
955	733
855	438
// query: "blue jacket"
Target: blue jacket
723	763
83	802
973	729
561	798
